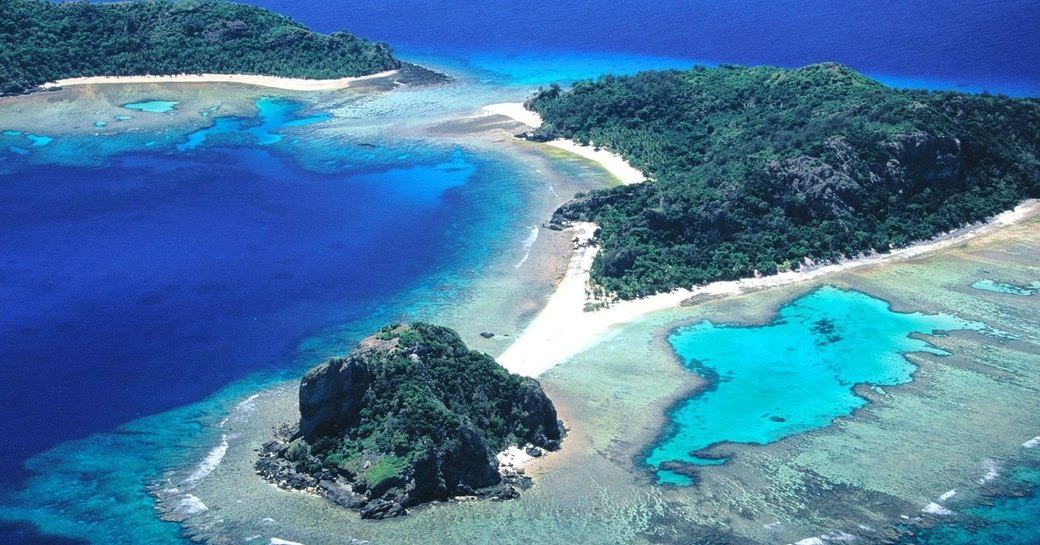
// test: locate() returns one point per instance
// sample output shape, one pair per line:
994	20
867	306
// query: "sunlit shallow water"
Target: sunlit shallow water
793	375
152	106
1006	288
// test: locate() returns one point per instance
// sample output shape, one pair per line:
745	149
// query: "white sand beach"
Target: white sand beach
287	84
516	112
612	162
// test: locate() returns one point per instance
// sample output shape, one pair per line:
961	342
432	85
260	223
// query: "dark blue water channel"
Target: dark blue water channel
158	278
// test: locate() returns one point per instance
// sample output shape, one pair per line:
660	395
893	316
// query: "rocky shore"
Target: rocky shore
411	416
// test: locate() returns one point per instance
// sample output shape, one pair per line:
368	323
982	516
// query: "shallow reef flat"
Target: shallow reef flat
86	124
960	422
76	110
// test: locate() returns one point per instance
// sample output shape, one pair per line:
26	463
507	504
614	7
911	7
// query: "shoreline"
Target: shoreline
615	164
563	329
273	82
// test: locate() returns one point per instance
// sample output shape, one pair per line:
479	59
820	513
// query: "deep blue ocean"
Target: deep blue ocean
151	283
973	45
161	274
146	282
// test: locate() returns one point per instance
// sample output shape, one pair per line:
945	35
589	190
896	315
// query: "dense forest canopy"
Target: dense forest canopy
41	41
756	170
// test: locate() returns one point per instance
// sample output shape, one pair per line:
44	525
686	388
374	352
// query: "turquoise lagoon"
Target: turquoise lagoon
1006	288
268	127
153	106
790	376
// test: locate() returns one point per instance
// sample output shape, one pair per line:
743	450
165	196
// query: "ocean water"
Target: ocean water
790	376
1006	516
973	45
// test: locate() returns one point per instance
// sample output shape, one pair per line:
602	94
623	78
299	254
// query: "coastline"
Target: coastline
564	328
273	82
615	164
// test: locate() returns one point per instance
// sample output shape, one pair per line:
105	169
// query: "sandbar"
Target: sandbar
612	162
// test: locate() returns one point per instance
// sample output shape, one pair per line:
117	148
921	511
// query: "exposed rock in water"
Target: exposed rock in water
410	416
413	74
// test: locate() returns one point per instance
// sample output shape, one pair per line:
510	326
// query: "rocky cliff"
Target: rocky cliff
410	416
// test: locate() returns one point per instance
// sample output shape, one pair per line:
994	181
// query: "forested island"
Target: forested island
757	170
410	416
42	41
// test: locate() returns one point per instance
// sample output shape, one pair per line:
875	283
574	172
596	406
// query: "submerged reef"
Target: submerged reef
409	417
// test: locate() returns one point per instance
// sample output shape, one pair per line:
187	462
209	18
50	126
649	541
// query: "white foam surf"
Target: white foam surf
190	505
838	537
247	404
948	494
280	541
1032	443
209	463
936	509
991	471
528	242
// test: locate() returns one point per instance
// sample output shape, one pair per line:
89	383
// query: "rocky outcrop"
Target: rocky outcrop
824	188
814	189
331	393
410	416
924	160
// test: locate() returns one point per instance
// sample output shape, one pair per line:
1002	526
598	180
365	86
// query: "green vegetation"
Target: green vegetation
425	386
42	41
411	415
758	169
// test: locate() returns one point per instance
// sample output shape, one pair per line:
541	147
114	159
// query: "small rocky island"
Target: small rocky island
411	416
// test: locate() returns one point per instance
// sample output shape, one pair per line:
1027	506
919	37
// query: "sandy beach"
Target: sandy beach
563	328
287	84
612	162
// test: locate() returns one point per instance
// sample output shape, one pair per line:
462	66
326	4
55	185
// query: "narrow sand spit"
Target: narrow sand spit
612	162
288	84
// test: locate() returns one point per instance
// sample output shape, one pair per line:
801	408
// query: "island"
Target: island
42	41
760	170
409	417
